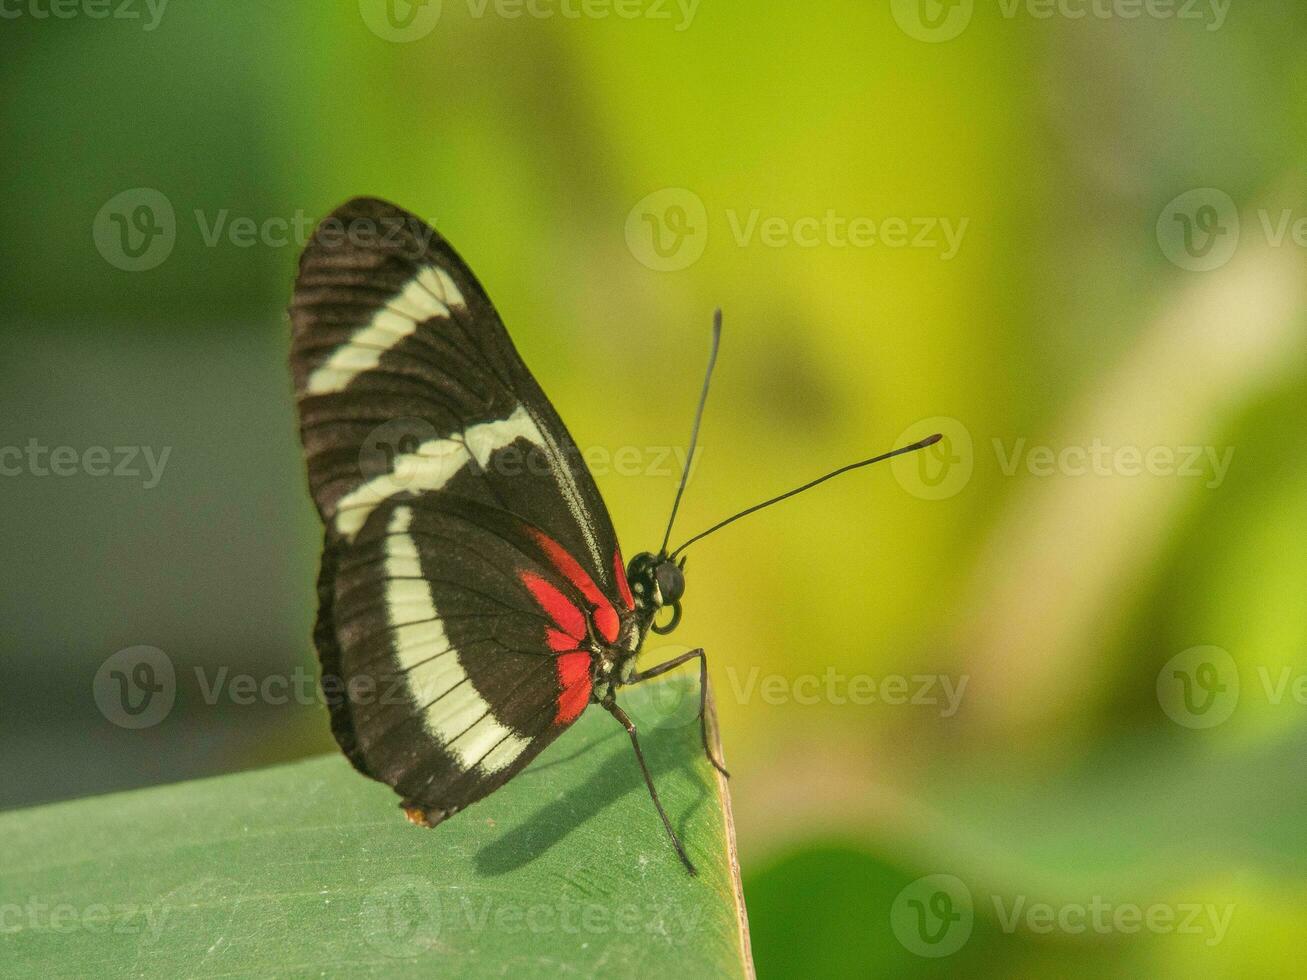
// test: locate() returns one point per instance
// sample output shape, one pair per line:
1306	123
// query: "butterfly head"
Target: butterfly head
657	582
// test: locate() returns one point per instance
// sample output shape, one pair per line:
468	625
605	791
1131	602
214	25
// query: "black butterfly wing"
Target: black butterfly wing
467	549
458	641
396	345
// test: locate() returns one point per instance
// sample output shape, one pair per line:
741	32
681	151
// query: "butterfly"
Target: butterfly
473	599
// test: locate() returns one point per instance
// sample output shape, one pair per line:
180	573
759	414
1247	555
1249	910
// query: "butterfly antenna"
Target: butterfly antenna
694	433
928	441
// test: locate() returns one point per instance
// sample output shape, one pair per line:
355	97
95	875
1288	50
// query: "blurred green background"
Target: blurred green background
1070	236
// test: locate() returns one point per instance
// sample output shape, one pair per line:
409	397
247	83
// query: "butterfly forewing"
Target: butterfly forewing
468	554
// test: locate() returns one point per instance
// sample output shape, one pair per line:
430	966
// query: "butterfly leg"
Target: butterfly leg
626	722
644	675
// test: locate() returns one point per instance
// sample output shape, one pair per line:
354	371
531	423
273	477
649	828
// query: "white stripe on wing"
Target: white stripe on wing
428	294
459	719
433	464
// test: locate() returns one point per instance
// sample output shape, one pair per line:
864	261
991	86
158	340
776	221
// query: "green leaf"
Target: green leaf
311	869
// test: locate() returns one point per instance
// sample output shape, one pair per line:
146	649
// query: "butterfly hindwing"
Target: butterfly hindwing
468	553
452	682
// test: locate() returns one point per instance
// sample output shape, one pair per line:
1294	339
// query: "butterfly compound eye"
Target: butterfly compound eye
671	582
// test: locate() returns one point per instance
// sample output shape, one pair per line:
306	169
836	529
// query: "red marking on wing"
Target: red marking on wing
559	642
619	573
608	623
559	608
605	616
574	679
